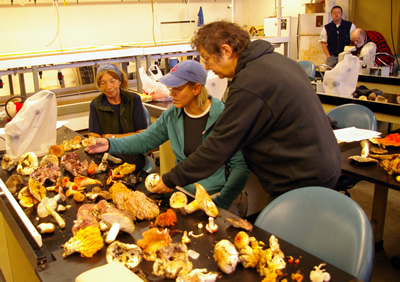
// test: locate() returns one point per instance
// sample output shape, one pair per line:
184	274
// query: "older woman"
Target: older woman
116	112
187	124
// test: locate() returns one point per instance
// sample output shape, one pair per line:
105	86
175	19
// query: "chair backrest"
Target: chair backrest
326	224
148	118
349	115
309	67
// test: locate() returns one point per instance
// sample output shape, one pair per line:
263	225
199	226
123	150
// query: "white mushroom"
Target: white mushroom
151	181
47	206
118	221
128	254
27	163
45	228
226	256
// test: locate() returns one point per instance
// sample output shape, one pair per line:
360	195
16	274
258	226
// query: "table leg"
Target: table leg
379	213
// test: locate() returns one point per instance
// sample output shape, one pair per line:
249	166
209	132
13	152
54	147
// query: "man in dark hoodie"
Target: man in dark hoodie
272	115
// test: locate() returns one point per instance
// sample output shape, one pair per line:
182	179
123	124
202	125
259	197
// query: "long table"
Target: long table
375	174
49	264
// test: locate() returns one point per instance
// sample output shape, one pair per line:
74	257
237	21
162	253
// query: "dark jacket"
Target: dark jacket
103	120
338	37
274	116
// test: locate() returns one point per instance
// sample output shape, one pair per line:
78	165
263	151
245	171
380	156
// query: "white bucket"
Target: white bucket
216	86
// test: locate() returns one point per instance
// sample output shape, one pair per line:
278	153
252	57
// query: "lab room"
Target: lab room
203	140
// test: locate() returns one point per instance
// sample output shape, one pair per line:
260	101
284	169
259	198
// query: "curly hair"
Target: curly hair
211	36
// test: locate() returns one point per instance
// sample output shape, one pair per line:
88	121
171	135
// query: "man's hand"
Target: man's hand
102	145
161	188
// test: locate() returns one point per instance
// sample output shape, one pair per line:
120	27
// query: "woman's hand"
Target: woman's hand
102	145
161	188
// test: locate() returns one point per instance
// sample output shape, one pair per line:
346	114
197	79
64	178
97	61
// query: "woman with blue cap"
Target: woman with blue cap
117	112
187	124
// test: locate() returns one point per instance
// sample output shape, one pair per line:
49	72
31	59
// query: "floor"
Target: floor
362	193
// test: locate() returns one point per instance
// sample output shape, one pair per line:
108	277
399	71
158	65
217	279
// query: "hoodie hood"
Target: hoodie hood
253	50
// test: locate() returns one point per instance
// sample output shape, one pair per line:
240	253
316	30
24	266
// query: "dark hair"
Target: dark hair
336	7
211	36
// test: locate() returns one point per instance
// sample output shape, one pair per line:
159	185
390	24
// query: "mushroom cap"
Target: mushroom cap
50	158
151	181
36	189
178	200
128	254
28	162
42	210
125	222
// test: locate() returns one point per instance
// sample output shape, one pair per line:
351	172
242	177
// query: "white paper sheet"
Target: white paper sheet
351	134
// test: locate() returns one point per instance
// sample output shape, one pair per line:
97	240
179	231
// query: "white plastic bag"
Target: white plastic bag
33	129
216	86
342	79
367	54
150	85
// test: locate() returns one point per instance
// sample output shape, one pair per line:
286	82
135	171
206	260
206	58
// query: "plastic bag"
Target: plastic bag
342	79
216	86
367	54
33	129
150	85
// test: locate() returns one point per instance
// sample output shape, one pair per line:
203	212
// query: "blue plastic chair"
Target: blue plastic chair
148	118
325	223
309	67
349	115
150	164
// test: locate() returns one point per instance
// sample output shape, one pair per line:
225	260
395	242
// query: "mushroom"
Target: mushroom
226	256
47	206
112	158
14	183
45	228
202	201
129	255
84	181
49	159
319	274
8	163
172	260
119	220
37	190
27	163
178	200
211	227
151	181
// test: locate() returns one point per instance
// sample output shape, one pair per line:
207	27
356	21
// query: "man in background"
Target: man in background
361	37
335	36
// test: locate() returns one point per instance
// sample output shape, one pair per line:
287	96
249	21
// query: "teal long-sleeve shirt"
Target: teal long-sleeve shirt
169	126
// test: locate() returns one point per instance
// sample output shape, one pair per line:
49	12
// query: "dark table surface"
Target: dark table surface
370	172
57	268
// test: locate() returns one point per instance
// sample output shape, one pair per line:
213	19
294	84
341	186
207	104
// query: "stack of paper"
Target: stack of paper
351	134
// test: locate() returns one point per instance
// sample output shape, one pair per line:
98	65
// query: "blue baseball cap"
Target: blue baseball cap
189	70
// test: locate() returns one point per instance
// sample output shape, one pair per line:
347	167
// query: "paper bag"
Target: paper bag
342	79
150	85
33	129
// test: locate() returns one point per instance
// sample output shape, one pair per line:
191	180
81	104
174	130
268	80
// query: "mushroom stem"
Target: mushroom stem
113	233
56	216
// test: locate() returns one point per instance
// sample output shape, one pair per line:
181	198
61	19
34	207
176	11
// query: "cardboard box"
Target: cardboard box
315	8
